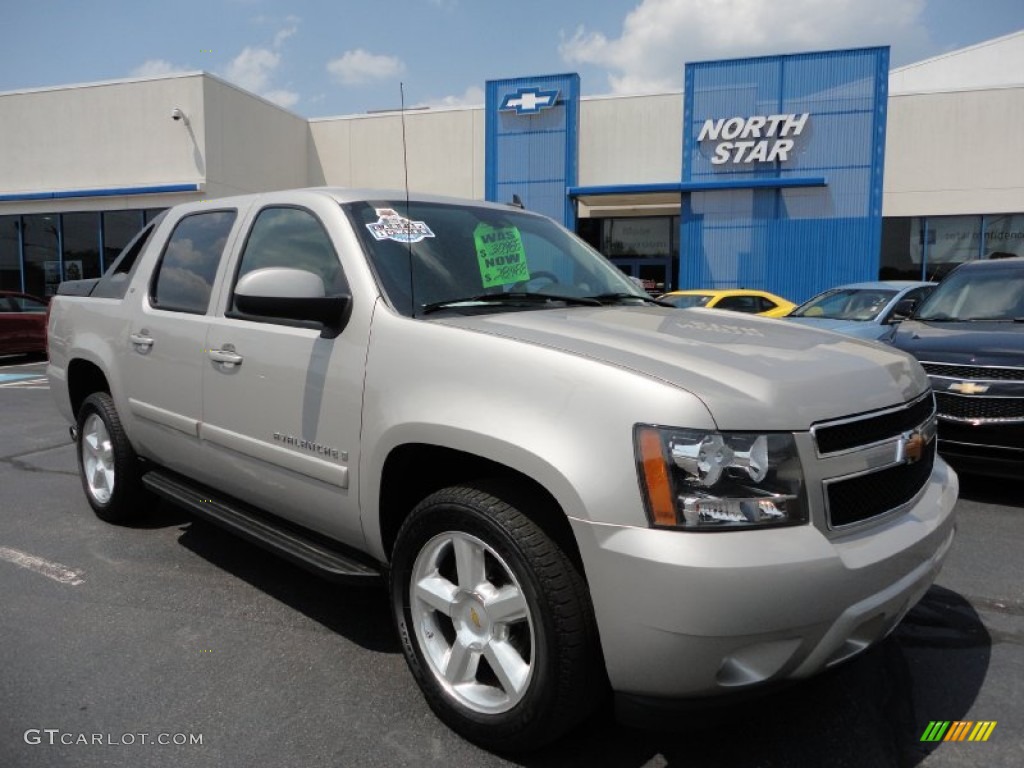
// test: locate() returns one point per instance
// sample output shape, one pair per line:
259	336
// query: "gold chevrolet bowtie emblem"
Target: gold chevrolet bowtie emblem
968	387
475	617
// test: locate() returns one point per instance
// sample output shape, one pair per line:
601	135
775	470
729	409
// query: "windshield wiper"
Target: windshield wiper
611	298
512	297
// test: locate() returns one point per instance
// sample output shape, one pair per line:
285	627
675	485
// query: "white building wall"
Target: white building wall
991	63
445	151
955	153
631	140
252	145
100	136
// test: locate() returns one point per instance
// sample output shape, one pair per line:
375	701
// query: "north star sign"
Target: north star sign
528	101
755	139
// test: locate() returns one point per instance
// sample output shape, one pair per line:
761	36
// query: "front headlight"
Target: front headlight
700	480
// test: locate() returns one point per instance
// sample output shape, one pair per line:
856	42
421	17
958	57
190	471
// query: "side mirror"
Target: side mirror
293	294
903	309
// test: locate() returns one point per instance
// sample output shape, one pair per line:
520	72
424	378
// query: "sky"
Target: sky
321	59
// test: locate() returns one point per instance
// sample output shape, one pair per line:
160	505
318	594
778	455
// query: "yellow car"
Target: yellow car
739	300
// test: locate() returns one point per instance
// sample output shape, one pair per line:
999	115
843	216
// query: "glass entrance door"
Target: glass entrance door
653	273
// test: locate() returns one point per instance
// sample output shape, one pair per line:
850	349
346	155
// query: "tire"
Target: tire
107	463
494	619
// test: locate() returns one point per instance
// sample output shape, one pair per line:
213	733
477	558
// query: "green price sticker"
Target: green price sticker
500	254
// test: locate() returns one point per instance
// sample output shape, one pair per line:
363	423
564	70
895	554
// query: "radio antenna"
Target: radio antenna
408	212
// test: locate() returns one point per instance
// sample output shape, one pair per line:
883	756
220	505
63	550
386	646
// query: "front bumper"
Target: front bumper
685	614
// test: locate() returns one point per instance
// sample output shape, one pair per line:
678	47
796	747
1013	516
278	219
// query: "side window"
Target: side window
737	304
295	238
25	304
184	277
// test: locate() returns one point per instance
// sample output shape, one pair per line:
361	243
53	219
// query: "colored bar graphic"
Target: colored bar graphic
935	731
982	730
958	730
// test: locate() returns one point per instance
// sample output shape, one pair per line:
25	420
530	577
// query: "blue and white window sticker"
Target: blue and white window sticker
528	101
391	225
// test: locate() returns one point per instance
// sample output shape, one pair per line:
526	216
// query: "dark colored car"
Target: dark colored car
969	336
22	324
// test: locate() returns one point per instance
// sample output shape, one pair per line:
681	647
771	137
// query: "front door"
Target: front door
281	405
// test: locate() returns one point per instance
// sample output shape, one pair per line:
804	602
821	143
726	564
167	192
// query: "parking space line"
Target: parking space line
55	571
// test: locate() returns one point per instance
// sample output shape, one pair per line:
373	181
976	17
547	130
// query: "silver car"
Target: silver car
865	310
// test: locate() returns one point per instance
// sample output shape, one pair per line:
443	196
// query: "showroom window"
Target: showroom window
81	245
119	227
41	244
927	248
10	254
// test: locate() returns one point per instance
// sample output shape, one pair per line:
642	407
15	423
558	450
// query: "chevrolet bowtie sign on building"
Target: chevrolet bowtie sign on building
528	101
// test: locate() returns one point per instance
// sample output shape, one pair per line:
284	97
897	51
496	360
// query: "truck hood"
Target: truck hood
751	372
973	343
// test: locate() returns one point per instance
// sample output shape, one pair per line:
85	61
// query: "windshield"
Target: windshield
846	304
687	300
466	258
978	294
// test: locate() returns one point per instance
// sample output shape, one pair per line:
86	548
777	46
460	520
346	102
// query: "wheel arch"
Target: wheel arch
412	471
84	378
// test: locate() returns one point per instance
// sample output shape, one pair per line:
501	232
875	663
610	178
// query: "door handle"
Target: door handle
226	356
141	341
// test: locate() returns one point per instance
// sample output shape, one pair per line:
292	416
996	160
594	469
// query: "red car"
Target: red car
22	323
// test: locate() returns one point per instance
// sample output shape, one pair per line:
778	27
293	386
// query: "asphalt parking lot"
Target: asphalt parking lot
115	640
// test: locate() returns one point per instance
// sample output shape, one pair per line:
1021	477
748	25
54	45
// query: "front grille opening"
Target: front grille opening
872	429
975	408
975	372
866	496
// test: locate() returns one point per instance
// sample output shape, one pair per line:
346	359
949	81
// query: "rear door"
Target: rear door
165	349
281	405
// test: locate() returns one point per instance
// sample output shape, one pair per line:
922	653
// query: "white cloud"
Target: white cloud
471	97
358	66
155	68
252	70
285	32
660	36
282	98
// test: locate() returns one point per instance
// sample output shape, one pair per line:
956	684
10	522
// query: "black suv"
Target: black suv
969	336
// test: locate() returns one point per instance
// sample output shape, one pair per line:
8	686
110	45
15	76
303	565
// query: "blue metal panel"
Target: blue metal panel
792	240
108	192
531	143
693	186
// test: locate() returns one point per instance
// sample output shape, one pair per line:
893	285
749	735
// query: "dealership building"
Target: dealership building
789	173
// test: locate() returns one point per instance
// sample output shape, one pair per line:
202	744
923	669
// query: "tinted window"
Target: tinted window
184	279
81	243
42	258
10	258
25	304
119	227
292	237
739	304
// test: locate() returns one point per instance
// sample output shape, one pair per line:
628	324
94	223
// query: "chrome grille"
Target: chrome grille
866	429
872	494
977	409
975	372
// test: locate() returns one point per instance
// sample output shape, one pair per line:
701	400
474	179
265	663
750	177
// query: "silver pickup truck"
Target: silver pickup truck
569	488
